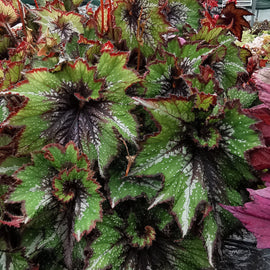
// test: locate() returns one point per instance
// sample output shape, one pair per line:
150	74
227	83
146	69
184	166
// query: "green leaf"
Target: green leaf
75	49
42	243
33	179
228	70
125	187
209	233
60	157
49	178
77	106
225	59
209	35
12	261
192	254
165	78
240	135
107	250
193	13
246	99
8	12
182	184
139	240
4	43
152	25
12	164
12	74
144	234
64	189
189	56
59	24
184	157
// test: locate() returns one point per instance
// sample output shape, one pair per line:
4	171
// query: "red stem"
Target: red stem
102	16
22	18
36	3
110	3
110	20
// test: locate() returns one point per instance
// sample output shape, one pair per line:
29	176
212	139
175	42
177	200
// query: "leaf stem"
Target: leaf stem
36	3
7	26
102	15
22	18
110	18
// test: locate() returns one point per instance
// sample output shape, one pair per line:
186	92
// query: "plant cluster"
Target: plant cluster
259	45
125	132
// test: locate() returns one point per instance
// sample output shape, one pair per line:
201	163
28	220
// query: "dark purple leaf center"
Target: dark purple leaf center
73	117
175	13
71	187
174	84
63	29
136	15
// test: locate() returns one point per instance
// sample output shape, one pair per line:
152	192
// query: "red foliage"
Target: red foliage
232	18
255	215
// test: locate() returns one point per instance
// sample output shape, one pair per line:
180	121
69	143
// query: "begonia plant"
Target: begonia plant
128	134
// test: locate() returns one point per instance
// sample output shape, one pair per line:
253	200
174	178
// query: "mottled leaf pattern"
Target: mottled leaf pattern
78	107
141	23
139	239
105	250
63	174
124	129
191	175
122	188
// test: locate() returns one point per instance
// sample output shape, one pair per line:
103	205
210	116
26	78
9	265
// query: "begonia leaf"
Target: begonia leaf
190	161
12	164
228	70
75	49
89	211
126	187
181	12
144	243
260	157
12	74
163	79
105	250
58	23
254	215
8	13
225	60
54	174
12	261
189	55
141	24
233	17
209	234
246	99
207	34
262	112
4	43
77	106
41	239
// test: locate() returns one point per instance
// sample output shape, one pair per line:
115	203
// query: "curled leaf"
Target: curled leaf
232	17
